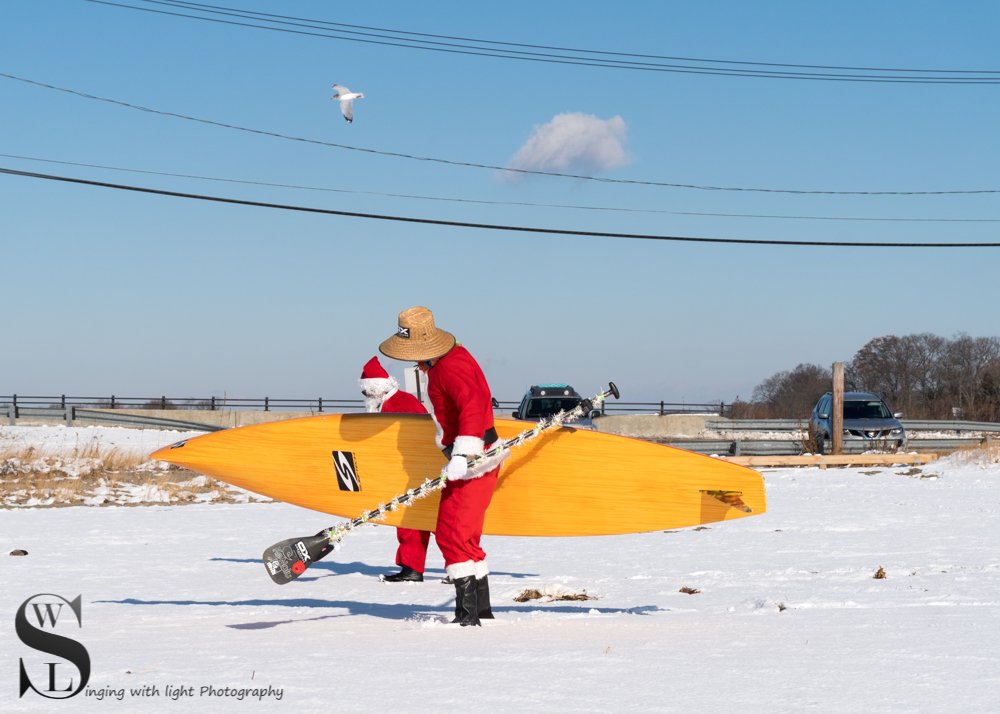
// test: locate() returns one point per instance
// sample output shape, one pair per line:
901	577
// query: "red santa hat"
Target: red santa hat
373	370
374	379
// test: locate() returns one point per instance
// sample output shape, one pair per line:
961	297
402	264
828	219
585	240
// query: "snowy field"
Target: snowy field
787	617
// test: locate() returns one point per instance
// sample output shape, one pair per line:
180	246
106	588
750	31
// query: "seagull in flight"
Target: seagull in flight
346	97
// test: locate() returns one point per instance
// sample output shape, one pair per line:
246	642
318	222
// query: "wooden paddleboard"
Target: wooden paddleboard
565	482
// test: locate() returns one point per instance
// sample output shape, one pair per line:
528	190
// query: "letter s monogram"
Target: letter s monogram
39	639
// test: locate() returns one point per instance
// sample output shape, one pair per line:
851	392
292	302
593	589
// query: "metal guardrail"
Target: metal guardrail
663	408
795	447
135	420
641	408
722	447
950	425
803	424
944	444
319	404
758	425
73	414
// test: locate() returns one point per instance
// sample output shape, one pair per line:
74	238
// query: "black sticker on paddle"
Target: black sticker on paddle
347	473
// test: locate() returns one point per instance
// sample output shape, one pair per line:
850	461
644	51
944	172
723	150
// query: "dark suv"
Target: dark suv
544	400
867	419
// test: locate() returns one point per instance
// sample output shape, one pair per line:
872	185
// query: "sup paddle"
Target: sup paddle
288	559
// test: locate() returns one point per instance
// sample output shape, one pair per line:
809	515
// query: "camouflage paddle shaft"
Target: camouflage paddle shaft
288	559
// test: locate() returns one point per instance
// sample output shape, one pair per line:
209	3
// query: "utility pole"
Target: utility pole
837	436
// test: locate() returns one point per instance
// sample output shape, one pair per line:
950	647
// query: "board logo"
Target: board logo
347	474
52	680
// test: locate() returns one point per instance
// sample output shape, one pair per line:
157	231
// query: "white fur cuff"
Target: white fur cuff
482	570
468	446
461	570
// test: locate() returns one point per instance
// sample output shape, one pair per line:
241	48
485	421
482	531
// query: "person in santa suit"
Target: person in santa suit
382	394
462	407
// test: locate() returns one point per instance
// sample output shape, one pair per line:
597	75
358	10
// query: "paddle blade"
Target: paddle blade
288	559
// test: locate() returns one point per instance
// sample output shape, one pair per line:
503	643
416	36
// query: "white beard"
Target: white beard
375	391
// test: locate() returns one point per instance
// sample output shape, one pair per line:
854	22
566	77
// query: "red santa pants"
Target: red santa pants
460	518
412	551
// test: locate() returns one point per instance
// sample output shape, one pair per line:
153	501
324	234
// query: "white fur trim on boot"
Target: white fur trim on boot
482	570
461	570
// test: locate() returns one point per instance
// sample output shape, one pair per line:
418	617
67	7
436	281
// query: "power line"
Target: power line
486	226
207	7
528	204
316	29
490	167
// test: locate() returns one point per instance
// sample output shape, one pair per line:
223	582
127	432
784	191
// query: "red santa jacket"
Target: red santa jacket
399	402
462	402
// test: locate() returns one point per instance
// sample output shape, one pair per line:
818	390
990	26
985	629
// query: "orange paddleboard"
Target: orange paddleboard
565	482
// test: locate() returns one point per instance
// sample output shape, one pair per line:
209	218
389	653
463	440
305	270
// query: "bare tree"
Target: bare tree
989	393
793	394
923	375
903	370
964	366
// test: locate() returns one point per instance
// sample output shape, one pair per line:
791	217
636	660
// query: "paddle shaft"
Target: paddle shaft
288	559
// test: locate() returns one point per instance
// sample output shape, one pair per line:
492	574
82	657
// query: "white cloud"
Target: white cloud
573	142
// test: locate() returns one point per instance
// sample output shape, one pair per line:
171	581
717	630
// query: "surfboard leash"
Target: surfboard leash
288	559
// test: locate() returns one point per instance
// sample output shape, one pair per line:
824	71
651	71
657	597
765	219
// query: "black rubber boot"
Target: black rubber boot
466	601
483	598
406	575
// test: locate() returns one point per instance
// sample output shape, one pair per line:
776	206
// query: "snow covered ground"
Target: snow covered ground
788	616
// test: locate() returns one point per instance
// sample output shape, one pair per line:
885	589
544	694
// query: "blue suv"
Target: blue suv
867	420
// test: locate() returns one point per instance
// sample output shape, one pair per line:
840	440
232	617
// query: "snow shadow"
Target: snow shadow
388	611
334	567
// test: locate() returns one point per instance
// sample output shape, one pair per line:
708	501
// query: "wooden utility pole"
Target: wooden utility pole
837	436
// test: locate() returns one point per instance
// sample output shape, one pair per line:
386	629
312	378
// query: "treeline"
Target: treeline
924	376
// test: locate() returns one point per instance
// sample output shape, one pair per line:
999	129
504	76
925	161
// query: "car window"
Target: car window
538	408
866	409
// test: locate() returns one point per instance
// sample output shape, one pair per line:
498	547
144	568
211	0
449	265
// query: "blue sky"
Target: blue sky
115	292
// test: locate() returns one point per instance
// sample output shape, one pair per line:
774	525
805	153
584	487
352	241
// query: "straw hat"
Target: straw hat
417	338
